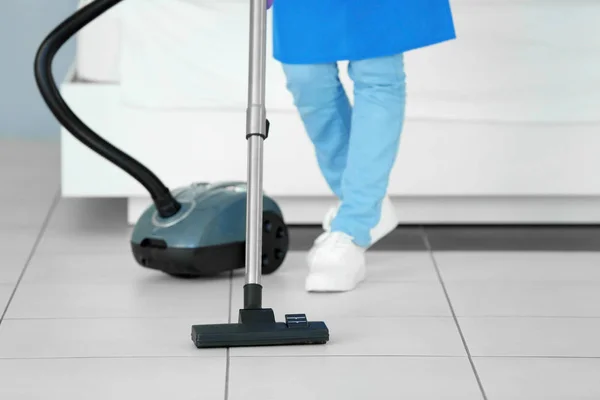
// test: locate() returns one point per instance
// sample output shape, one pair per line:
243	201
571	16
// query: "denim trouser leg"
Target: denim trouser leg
356	148
326	112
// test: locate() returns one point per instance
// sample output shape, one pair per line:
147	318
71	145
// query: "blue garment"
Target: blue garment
321	31
356	147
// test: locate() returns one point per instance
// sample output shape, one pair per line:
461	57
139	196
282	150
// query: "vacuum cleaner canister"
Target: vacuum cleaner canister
208	235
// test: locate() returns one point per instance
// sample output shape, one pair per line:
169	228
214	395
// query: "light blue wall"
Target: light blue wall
23	25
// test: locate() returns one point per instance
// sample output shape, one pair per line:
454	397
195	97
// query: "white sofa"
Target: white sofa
503	124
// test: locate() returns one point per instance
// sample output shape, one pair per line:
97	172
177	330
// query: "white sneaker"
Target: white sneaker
387	223
336	265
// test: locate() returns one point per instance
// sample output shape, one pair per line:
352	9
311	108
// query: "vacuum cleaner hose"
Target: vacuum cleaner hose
164	201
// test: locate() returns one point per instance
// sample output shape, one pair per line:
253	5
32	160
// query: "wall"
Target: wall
23	25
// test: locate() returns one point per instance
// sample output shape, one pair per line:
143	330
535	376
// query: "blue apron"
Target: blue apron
323	31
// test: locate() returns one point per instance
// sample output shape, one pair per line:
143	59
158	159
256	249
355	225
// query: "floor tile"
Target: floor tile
555	337
383	266
17	241
124	337
31	169
11	267
408	266
115	379
403	238
88	323
34	182
88	214
90	226
512	238
396	299
349	378
72	268
519	266
15	247
539	379
87	240
25	210
156	297
29	178
5	292
417	336
525	299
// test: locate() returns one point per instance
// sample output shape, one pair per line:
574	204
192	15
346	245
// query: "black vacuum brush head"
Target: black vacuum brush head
259	328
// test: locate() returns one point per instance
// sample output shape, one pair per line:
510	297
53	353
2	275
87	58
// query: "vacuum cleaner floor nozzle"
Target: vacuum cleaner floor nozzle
259	328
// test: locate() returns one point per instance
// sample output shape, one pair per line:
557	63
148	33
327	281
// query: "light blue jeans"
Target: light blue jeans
356	147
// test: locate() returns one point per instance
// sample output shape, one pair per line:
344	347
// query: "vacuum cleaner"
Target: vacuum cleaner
202	229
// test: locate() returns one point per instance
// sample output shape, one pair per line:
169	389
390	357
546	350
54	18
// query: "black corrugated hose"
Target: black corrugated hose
164	201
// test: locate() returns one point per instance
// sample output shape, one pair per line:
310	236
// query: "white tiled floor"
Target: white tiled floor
84	322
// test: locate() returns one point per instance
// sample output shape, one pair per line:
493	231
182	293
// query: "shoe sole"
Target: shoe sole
326	285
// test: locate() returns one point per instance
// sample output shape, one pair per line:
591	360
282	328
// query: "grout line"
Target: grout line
114	318
138	357
491	316
414	356
543	357
295	356
228	351
460	332
32	252
330	356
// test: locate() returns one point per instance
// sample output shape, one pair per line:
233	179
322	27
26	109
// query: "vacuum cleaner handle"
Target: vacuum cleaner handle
256	132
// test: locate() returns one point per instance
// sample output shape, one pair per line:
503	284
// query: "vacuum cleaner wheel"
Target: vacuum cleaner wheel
275	242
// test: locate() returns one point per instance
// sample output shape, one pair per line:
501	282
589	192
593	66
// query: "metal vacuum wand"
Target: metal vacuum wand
256	325
256	133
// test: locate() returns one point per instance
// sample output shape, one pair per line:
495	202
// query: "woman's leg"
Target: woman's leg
326	112
337	262
356	149
377	121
